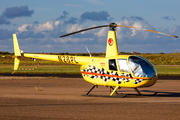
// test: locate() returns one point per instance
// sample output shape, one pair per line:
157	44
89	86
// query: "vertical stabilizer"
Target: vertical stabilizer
17	53
111	48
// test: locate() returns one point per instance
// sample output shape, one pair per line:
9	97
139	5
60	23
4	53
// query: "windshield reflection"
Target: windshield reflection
140	67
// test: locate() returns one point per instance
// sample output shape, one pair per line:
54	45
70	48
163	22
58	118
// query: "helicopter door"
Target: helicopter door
123	65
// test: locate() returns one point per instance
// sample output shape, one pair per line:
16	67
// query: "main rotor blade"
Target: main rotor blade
85	30
113	25
148	30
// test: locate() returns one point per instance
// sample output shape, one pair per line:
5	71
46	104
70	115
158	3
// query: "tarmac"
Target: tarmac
62	98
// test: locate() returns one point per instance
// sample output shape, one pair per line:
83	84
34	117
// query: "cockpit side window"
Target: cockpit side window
112	64
123	65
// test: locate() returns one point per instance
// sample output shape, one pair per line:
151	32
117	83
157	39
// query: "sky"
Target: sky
38	25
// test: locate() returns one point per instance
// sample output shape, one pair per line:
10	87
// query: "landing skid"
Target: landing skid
139	93
114	90
121	95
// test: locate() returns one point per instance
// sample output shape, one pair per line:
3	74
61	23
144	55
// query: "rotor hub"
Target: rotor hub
112	26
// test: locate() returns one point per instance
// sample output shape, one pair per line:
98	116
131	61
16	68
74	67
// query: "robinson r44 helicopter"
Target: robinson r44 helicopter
113	70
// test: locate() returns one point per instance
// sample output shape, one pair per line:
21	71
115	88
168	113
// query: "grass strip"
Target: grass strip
56	69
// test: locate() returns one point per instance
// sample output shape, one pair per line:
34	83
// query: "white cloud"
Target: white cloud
74	28
46	26
118	30
39	28
56	23
136	33
138	26
102	33
24	27
126	22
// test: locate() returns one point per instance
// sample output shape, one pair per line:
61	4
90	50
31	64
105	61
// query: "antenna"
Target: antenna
88	52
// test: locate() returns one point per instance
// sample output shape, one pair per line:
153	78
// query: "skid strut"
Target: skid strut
91	89
139	93
114	90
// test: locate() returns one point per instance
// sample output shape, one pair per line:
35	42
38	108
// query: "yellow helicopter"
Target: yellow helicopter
113	70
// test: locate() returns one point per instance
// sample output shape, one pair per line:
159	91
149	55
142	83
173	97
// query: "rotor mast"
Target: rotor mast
111	47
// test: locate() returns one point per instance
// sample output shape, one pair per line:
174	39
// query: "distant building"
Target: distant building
133	52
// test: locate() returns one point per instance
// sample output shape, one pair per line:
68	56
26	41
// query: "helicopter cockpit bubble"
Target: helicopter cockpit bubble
141	67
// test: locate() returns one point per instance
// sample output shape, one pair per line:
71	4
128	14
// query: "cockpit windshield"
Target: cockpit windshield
140	67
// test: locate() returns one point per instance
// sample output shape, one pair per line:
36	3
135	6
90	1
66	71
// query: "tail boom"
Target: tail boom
78	60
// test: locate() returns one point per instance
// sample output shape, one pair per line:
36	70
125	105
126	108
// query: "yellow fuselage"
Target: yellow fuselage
99	72
112	70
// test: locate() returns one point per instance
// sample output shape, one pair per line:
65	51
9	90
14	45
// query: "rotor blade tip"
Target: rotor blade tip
174	36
